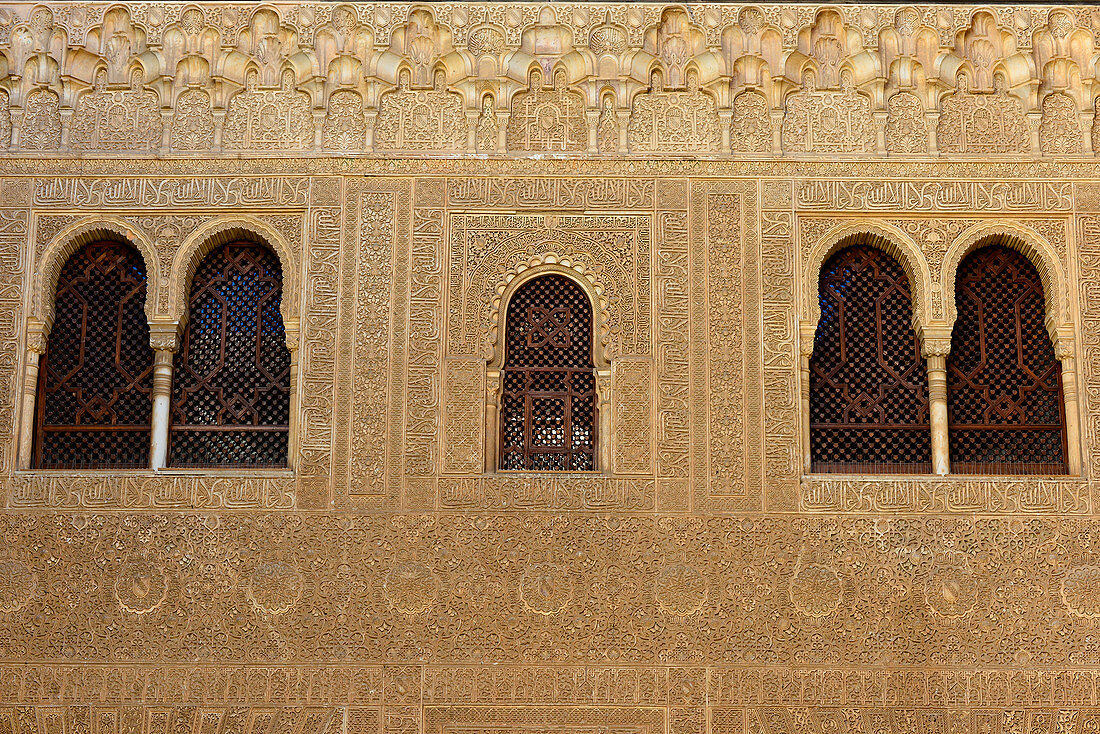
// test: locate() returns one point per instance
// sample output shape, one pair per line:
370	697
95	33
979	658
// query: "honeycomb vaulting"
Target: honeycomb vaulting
389	177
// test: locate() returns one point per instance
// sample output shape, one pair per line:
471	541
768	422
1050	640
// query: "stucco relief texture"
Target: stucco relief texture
700	583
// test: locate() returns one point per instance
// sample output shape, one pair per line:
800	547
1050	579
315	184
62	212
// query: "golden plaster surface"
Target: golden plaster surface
700	582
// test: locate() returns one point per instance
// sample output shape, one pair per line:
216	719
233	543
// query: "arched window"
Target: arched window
1004	384
95	381
548	409
868	382
231	388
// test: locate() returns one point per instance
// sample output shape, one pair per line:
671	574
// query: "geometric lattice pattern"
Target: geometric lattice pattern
96	377
868	383
548	409
231	386
1004	383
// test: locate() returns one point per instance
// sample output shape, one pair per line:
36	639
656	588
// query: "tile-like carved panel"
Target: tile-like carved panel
463	416
632	416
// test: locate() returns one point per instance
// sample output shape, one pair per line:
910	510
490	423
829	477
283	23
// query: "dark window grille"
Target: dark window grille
95	381
548	409
868	382
231	387
1004	384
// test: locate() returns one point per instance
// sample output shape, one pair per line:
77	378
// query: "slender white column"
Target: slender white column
35	348
1073	422
603	390
806	333
1063	340
164	341
493	387
804	423
292	420
937	412
163	360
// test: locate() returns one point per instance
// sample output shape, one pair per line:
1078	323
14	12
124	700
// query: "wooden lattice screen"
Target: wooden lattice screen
1004	387
96	377
868	382
548	409
231	389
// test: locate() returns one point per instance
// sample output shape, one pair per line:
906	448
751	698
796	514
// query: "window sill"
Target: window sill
890	477
144	473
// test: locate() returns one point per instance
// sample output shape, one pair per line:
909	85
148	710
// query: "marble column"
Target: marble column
603	395
935	351
164	340
36	347
1064	351
493	387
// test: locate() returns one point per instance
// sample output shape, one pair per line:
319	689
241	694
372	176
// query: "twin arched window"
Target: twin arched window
230	398
869	402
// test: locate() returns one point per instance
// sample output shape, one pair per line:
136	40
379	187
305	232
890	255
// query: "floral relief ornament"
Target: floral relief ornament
141	586
274	587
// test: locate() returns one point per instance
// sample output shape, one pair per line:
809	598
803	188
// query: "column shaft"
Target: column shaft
807	454
292	418
937	412
27	413
1073	424
162	396
492	420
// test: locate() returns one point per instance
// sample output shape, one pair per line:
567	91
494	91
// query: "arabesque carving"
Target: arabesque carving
982	81
548	119
689	167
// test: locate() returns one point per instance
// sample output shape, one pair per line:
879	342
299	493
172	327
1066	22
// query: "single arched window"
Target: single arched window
868	382
95	380
548	409
1004	384
231	387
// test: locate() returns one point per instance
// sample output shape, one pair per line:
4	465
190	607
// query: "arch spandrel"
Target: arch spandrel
1042	254
887	238
219	232
72	238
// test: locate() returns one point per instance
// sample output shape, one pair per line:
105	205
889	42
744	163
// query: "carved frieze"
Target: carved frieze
110	119
273	118
822	68
431	119
674	121
548	119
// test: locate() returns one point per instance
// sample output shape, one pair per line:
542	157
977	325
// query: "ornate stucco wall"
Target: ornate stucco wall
692	166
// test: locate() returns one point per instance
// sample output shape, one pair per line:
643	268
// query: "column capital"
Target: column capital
935	340
935	347
1063	343
291	330
37	332
806	334
164	336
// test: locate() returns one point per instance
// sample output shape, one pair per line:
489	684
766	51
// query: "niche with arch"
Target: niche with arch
549	403
95	379
230	403
869	410
1006	413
